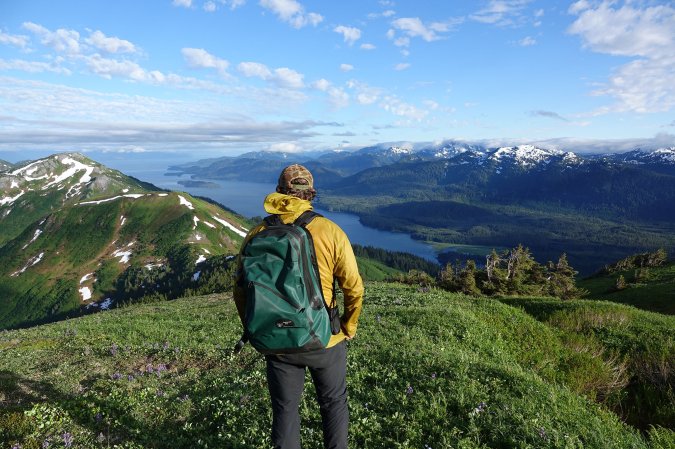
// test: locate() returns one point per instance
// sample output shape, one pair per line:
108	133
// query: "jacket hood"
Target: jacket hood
286	205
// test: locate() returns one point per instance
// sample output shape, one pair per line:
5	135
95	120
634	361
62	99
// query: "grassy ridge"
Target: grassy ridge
654	290
429	369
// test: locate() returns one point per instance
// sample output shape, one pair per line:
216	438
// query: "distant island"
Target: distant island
204	184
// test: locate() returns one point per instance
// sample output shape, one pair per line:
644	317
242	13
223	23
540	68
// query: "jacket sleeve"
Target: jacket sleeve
347	274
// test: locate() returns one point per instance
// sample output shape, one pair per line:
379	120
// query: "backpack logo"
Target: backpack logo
285	323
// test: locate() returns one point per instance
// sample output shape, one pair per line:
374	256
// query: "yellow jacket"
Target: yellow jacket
334	255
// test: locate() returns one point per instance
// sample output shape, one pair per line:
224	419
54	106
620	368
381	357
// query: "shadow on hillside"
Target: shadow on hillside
17	393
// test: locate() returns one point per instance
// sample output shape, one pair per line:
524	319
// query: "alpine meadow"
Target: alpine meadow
503	170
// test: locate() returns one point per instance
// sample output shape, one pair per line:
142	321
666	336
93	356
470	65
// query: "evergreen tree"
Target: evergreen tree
561	280
467	279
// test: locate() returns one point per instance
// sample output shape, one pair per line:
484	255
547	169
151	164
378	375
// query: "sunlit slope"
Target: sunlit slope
428	369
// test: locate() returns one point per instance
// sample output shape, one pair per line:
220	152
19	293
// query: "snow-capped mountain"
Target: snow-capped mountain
661	156
76	235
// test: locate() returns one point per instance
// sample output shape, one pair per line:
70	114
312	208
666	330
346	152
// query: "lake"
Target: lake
246	198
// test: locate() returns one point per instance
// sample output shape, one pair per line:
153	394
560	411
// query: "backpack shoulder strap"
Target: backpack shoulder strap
272	220
306	217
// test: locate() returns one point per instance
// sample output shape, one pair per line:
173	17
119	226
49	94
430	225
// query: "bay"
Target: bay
246	198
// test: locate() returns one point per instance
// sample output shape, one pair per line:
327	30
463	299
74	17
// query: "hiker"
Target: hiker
286	372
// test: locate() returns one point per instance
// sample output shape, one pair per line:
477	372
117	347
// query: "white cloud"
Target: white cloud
321	84
388	13
400	108
109	68
183	3
501	12
110	44
285	147
210	6
234	4
288	78
292	12
346	67
367	47
61	40
401	66
414	27
350	34
13	39
201	59
32	66
254	69
646	84
527	41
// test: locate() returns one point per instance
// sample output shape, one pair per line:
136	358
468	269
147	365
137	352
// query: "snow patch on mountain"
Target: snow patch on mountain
10	199
230	226
86	293
129	195
185	202
86	277
31	262
200	259
35	236
76	167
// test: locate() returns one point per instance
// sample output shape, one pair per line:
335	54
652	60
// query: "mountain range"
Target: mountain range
596	207
77	236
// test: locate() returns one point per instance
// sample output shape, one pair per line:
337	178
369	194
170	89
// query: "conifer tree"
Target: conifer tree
467	279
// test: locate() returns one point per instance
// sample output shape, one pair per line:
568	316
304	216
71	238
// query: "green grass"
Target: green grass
435	369
372	270
655	293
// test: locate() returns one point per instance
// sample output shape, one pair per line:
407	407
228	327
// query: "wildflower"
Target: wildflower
433	375
67	439
16	446
149	368
113	350
98	417
409	390
116	376
160	393
130	377
166	345
479	409
378	318
100	438
45	444
542	433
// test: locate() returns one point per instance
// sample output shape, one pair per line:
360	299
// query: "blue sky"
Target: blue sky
222	77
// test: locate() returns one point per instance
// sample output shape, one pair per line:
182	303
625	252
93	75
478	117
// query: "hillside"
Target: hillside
91	238
426	370
649	289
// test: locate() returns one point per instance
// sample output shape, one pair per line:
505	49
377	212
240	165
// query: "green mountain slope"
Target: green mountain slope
433	370
98	253
650	289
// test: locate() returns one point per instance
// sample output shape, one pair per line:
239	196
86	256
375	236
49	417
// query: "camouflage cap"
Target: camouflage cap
295	177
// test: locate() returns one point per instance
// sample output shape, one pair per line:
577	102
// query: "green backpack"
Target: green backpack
285	308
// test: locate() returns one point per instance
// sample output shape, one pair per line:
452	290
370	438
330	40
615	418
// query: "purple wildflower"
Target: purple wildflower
130	377
409	390
16	446
542	433
113	350
166	345
160	393
46	443
67	439
98	417
433	375
116	376
149	368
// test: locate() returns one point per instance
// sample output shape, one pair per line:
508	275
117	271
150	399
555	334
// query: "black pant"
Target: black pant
286	379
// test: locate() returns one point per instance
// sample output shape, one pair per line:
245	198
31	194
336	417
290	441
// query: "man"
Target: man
286	372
